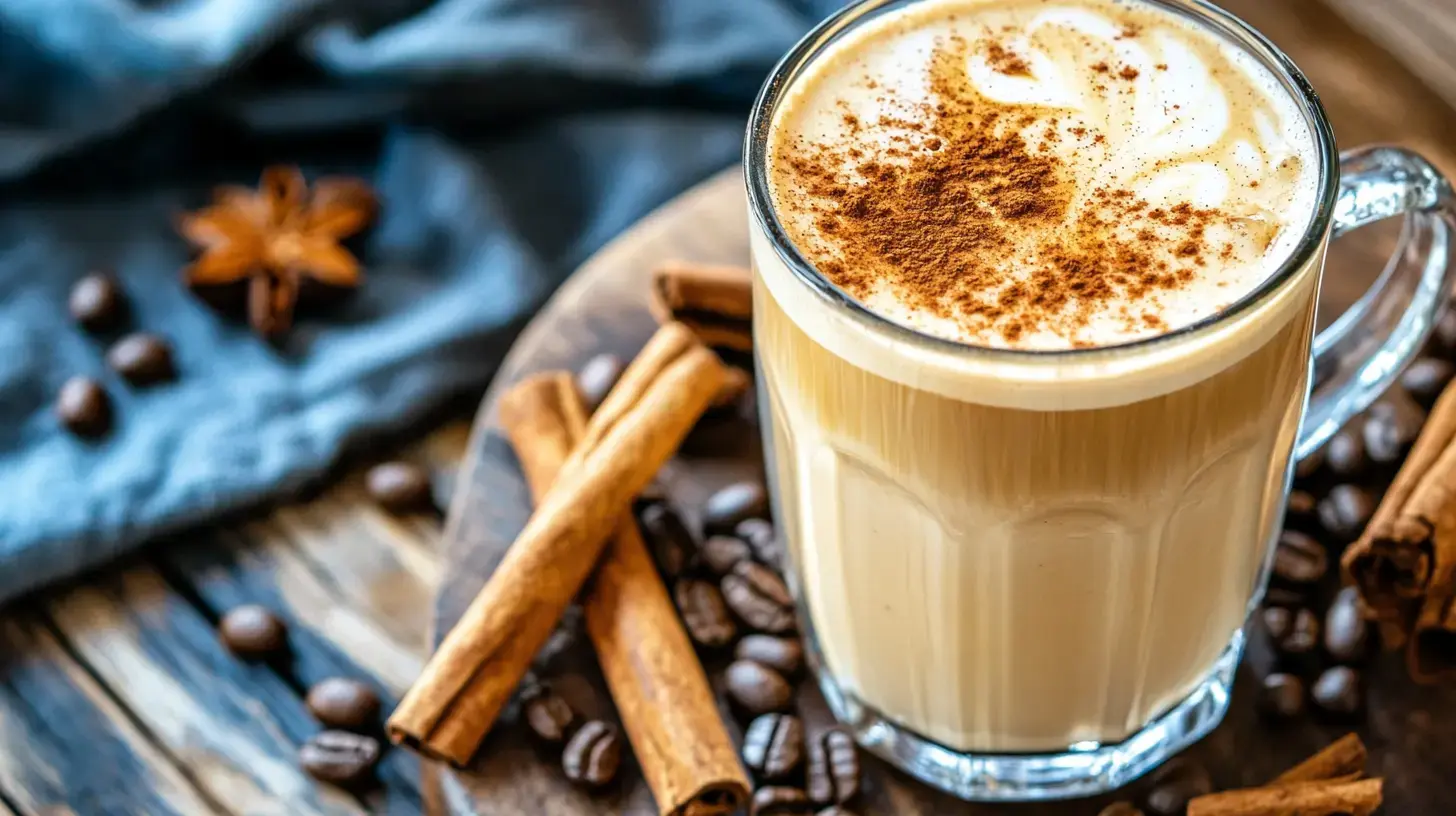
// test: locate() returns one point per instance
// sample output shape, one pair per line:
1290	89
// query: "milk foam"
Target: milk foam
1127	96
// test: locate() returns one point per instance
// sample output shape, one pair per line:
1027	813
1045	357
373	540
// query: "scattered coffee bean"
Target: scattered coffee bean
1338	691
759	598
732	504
667	537
835	811
593	754
1347	632
756	688
1178	782
596	378
721	553
833	774
399	487
1120	809
1278	622
96	302
779	800
344	703
1345	452
547	713
1281	697
84	408
654	493
1391	429
1299	646
1310	466
1299	559
339	757
1426	379
784	655
773	745
1300	512
762	539
143	359
703	613
1344	512
253	632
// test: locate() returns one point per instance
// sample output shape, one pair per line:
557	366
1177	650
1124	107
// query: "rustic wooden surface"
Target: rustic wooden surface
1370	98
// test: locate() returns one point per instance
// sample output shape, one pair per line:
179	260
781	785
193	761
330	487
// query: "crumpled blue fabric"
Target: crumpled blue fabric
507	138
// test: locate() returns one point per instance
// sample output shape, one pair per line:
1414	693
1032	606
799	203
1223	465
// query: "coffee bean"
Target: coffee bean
547	713
1391	429
593	754
339	757
252	632
721	553
732	504
756	688
759	598
341	702
1338	691
1426	379
1278	622
779	800
667	537
1345	453
399	487
84	408
96	302
703	613
596	378
1120	809
783	655
1300	511
1281	697
773	745
1177	783
762	539
143	359
1299	559
1310	466
1299	645
833	775
835	811
1344	512
1347	632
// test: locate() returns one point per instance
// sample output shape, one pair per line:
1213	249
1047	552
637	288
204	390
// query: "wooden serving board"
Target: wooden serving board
1411	730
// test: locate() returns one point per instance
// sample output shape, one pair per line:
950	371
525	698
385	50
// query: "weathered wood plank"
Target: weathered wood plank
66	747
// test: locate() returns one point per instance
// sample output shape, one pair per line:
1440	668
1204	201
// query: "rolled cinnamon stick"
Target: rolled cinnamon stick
661	692
716	302
467	682
1431	652
1342	759
1318	798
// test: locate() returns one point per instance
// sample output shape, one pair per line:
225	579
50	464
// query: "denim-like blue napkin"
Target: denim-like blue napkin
507	139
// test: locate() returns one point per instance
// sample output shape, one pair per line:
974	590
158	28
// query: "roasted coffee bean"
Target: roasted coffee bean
759	598
773	745
779	800
1301	641
1178	782
1281	697
703	613
1120	809
1300	512
762	539
399	487
593	754
1338	691
596	378
252	632
667	537
756	688
342	702
721	553
1299	559
835	811
547	713
84	408
1347	632
833	773
1426	379
143	359
1391	428
1310	466
784	655
1345	452
732	504
339	757
1278	622
1344	512
96	302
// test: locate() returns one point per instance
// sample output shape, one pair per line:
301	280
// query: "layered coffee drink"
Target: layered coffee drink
1030	389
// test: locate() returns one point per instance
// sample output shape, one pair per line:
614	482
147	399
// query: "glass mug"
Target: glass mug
1037	590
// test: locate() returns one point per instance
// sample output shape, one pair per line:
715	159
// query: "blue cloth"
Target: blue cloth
507	138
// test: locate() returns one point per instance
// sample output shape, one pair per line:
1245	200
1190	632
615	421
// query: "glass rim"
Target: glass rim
781	79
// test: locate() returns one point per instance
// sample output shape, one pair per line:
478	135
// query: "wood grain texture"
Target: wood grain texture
1370	97
1419	32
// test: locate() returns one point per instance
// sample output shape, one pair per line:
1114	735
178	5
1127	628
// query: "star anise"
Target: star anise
276	236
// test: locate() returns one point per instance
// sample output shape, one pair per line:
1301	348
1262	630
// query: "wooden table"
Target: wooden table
116	698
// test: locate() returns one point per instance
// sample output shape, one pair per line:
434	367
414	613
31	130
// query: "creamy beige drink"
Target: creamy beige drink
1008	534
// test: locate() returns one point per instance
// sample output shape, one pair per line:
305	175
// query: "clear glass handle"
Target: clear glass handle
1358	356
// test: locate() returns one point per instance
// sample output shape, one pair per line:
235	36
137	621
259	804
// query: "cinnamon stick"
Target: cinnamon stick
1319	798
716	302
1431	652
478	665
661	692
1340	759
